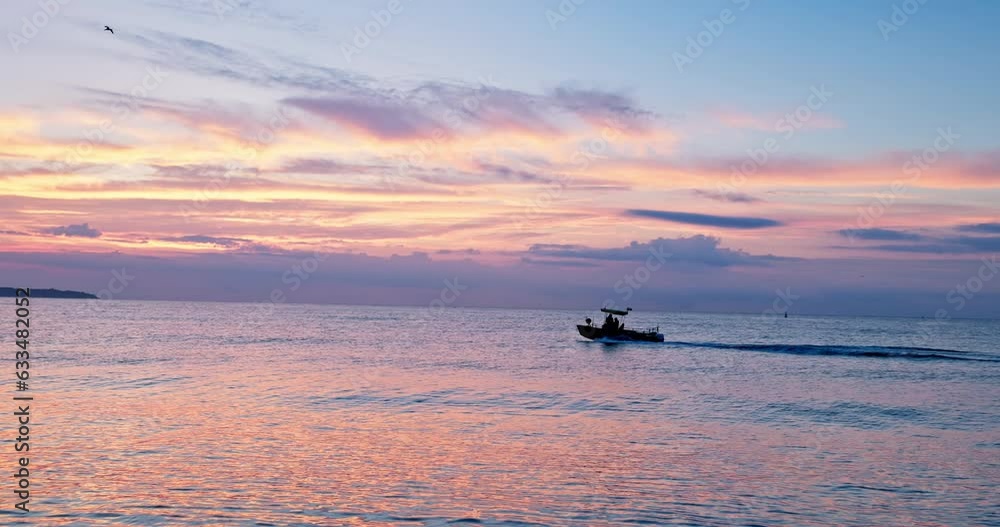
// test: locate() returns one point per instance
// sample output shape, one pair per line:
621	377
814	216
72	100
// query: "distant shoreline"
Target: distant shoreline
48	293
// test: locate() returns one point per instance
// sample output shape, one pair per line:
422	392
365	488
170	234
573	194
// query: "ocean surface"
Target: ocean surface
180	414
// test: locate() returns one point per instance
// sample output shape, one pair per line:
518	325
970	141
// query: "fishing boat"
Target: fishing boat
614	330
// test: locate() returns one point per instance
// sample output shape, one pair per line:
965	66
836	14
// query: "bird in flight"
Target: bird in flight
106	28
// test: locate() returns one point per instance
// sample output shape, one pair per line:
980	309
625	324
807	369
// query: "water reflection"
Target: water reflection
209	416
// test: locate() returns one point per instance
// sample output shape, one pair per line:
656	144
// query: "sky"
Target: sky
726	155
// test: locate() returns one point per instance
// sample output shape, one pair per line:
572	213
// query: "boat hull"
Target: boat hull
625	335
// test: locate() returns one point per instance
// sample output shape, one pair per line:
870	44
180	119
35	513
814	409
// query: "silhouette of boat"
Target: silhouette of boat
614	330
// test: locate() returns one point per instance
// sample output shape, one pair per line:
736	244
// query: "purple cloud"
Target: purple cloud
82	230
381	119
325	166
938	245
691	218
905	286
732	197
880	234
698	249
982	228
211	240
597	104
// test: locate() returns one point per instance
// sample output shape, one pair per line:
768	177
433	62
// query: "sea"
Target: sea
229	414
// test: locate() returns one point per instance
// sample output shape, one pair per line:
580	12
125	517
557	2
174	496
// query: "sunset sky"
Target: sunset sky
688	155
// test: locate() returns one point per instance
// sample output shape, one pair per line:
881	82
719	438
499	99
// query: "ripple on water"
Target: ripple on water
176	414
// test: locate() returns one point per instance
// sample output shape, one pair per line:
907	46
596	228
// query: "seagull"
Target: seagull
106	28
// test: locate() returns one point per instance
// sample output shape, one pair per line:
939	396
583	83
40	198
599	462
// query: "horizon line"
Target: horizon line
513	308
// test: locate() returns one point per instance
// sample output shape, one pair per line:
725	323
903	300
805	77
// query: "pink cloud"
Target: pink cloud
380	119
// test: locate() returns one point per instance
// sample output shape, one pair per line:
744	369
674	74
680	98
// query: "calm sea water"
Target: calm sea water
177	414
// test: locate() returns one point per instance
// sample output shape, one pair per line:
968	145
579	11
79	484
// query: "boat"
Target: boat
615	330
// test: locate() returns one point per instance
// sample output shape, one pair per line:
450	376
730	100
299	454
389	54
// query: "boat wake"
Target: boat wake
893	352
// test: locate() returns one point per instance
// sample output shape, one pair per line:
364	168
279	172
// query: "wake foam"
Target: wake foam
896	352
